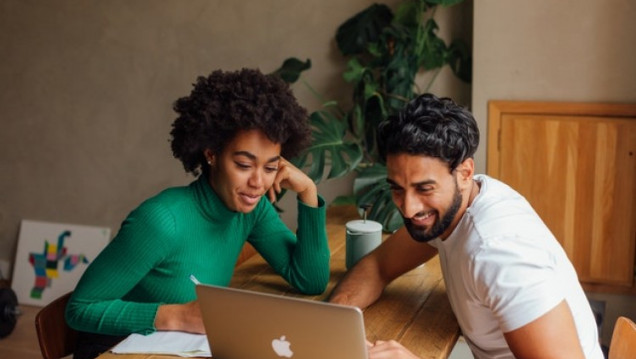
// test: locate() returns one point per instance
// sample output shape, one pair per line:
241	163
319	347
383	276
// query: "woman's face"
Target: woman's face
243	172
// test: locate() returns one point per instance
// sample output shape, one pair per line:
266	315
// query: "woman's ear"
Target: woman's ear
209	157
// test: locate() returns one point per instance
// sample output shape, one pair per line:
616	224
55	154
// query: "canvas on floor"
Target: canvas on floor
51	258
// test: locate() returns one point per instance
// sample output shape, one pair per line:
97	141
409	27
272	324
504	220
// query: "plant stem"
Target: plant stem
320	97
430	83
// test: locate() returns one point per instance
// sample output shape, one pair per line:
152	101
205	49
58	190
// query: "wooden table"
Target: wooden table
414	308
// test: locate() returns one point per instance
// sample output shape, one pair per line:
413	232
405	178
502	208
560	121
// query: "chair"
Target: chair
246	253
623	344
56	338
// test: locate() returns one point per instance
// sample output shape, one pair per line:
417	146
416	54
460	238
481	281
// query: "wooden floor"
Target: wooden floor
22	343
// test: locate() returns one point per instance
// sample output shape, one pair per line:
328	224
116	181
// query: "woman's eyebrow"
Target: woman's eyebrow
252	156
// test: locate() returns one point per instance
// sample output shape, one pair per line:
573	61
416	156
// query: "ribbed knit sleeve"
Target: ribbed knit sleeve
99	303
302	259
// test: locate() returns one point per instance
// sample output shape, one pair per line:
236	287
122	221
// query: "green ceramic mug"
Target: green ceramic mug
363	236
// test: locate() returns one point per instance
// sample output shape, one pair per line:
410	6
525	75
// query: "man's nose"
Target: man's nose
411	205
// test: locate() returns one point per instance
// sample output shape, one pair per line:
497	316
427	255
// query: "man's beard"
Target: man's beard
440	226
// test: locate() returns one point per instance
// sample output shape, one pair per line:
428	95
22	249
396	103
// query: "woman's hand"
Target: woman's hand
388	349
182	317
291	178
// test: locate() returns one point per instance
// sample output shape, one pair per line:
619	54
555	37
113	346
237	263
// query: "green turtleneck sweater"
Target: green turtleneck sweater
183	231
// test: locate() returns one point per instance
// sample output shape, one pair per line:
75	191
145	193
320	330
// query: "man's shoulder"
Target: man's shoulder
499	210
496	196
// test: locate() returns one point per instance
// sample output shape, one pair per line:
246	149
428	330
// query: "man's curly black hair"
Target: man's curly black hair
227	102
430	126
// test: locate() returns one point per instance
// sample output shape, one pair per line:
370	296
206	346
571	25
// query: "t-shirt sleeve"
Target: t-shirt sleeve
302	259
97	303
517	280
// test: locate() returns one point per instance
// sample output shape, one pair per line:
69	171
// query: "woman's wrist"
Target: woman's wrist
309	196
166	317
183	317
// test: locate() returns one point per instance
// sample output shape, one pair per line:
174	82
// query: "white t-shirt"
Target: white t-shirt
503	269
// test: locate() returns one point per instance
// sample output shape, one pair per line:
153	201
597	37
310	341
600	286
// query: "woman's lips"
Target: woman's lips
249	198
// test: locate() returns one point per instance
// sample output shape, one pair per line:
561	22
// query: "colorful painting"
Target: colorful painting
51	258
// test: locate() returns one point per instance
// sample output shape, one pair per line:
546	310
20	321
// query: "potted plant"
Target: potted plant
385	52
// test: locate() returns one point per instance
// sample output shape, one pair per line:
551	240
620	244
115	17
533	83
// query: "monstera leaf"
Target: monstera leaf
371	189
365	28
292	68
460	60
329	148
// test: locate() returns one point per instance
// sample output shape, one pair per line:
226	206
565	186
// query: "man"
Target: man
511	286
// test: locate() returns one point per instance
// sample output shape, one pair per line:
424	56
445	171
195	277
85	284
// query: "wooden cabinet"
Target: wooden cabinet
576	165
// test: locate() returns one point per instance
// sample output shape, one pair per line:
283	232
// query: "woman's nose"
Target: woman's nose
256	179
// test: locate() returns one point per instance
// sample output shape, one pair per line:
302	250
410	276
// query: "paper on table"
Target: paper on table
166	342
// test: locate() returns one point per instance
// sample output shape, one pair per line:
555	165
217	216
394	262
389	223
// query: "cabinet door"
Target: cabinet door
579	173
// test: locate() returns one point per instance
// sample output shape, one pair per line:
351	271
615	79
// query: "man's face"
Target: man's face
427	195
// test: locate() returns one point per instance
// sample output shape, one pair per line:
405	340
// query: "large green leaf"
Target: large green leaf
374	113
368	176
355	71
356	121
399	75
354	35
330	147
409	13
442	2
434	49
292	68
344	201
460	60
371	188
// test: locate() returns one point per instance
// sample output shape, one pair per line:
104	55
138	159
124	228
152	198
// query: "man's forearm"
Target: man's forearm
360	287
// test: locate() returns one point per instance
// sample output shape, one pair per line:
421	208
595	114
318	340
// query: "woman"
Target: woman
235	131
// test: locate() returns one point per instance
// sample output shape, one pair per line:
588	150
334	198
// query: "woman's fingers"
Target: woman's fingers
271	194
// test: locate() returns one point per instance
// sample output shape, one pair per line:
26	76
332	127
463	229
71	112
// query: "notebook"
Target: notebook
243	324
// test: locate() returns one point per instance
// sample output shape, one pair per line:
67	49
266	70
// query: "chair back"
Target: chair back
623	344
56	338
246	253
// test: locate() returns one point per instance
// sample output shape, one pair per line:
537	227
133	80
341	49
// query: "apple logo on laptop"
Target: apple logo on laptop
281	347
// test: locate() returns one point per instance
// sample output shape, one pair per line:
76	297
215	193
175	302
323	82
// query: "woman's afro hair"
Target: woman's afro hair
225	103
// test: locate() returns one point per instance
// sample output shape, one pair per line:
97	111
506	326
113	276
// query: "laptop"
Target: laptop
243	324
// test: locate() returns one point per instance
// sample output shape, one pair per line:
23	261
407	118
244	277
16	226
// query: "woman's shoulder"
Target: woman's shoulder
169	198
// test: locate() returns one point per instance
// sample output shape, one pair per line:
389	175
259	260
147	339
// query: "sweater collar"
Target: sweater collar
210	202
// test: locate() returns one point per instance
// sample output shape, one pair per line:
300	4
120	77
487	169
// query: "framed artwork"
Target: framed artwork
51	258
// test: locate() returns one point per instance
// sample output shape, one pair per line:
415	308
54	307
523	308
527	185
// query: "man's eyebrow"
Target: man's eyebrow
416	184
252	156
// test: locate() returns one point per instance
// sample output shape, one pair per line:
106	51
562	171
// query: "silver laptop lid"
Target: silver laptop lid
243	324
